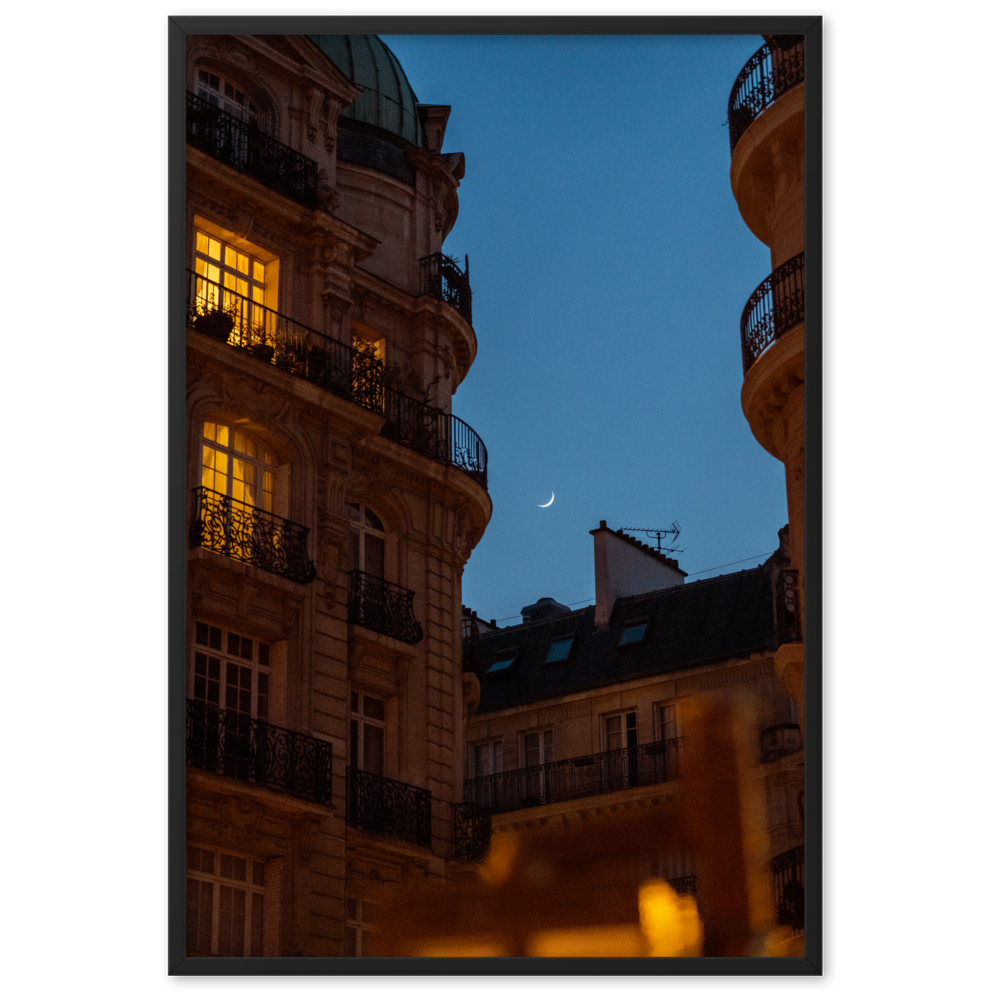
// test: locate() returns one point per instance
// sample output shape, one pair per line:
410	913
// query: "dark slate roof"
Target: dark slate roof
690	624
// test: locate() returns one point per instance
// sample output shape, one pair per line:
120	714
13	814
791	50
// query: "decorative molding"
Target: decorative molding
303	830
238	819
735	675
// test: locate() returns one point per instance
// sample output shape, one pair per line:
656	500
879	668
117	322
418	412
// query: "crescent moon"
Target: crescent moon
549	504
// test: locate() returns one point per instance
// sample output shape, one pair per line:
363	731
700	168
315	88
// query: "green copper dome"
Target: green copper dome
387	99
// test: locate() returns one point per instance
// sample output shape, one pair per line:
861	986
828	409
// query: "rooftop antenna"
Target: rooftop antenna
659	534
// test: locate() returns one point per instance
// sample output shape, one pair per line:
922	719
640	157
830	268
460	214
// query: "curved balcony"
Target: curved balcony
234	745
777	305
381	805
434	433
441	277
575	778
383	607
250	535
776	67
275	339
240	145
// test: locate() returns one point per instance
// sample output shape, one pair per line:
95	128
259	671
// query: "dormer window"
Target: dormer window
634	633
559	649
504	661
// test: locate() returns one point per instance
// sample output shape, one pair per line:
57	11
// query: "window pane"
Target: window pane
559	650
246	648
374	708
373	749
263	654
233	644
215	638
613	729
201	633
258	271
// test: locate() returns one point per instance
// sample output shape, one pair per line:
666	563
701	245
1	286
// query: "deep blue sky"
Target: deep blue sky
609	266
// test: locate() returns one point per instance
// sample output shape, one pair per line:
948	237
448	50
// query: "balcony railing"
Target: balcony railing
789	893
383	607
251	535
243	147
381	805
473	829
788	621
441	277
236	320
777	66
779	741
777	305
232	744
593	774
433	433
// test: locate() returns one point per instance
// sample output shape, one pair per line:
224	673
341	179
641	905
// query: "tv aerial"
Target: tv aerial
659	534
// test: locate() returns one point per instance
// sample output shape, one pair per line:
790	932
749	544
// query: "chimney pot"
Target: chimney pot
604	524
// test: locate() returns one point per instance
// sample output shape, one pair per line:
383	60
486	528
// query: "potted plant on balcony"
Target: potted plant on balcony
290	355
214	321
260	347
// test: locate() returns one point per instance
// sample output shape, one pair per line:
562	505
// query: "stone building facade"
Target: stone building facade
334	498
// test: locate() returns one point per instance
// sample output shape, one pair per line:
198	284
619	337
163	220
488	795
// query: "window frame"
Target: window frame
631	624
502	657
496	755
571	638
623	714
252	890
259	670
268	465
546	749
360	721
658	722
359	923
360	532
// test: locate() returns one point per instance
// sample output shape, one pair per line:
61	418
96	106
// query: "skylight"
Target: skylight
504	661
559	649
633	634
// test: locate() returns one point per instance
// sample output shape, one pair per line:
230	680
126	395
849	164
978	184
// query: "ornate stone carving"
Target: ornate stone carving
238	818
247	591
314	101
303	830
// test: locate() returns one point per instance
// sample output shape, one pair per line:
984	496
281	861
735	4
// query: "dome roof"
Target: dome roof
387	99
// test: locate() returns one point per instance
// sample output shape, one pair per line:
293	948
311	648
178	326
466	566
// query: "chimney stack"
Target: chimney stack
624	566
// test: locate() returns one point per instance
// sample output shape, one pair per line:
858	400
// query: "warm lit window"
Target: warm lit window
367	733
231	671
360	919
367	540
231	280
620	731
234	464
225	903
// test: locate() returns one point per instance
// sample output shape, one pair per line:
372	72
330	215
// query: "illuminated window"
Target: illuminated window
236	465
231	280
225	903
360	920
620	731
367	540
559	649
367	733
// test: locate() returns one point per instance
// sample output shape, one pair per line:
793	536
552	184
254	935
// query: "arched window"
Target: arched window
222	92
367	540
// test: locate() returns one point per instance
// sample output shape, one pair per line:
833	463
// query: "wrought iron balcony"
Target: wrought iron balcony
685	885
788	883
232	744
787	619
275	339
243	147
251	535
383	607
779	741
777	66
777	305
381	805
593	774
441	277
434	433
473	829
